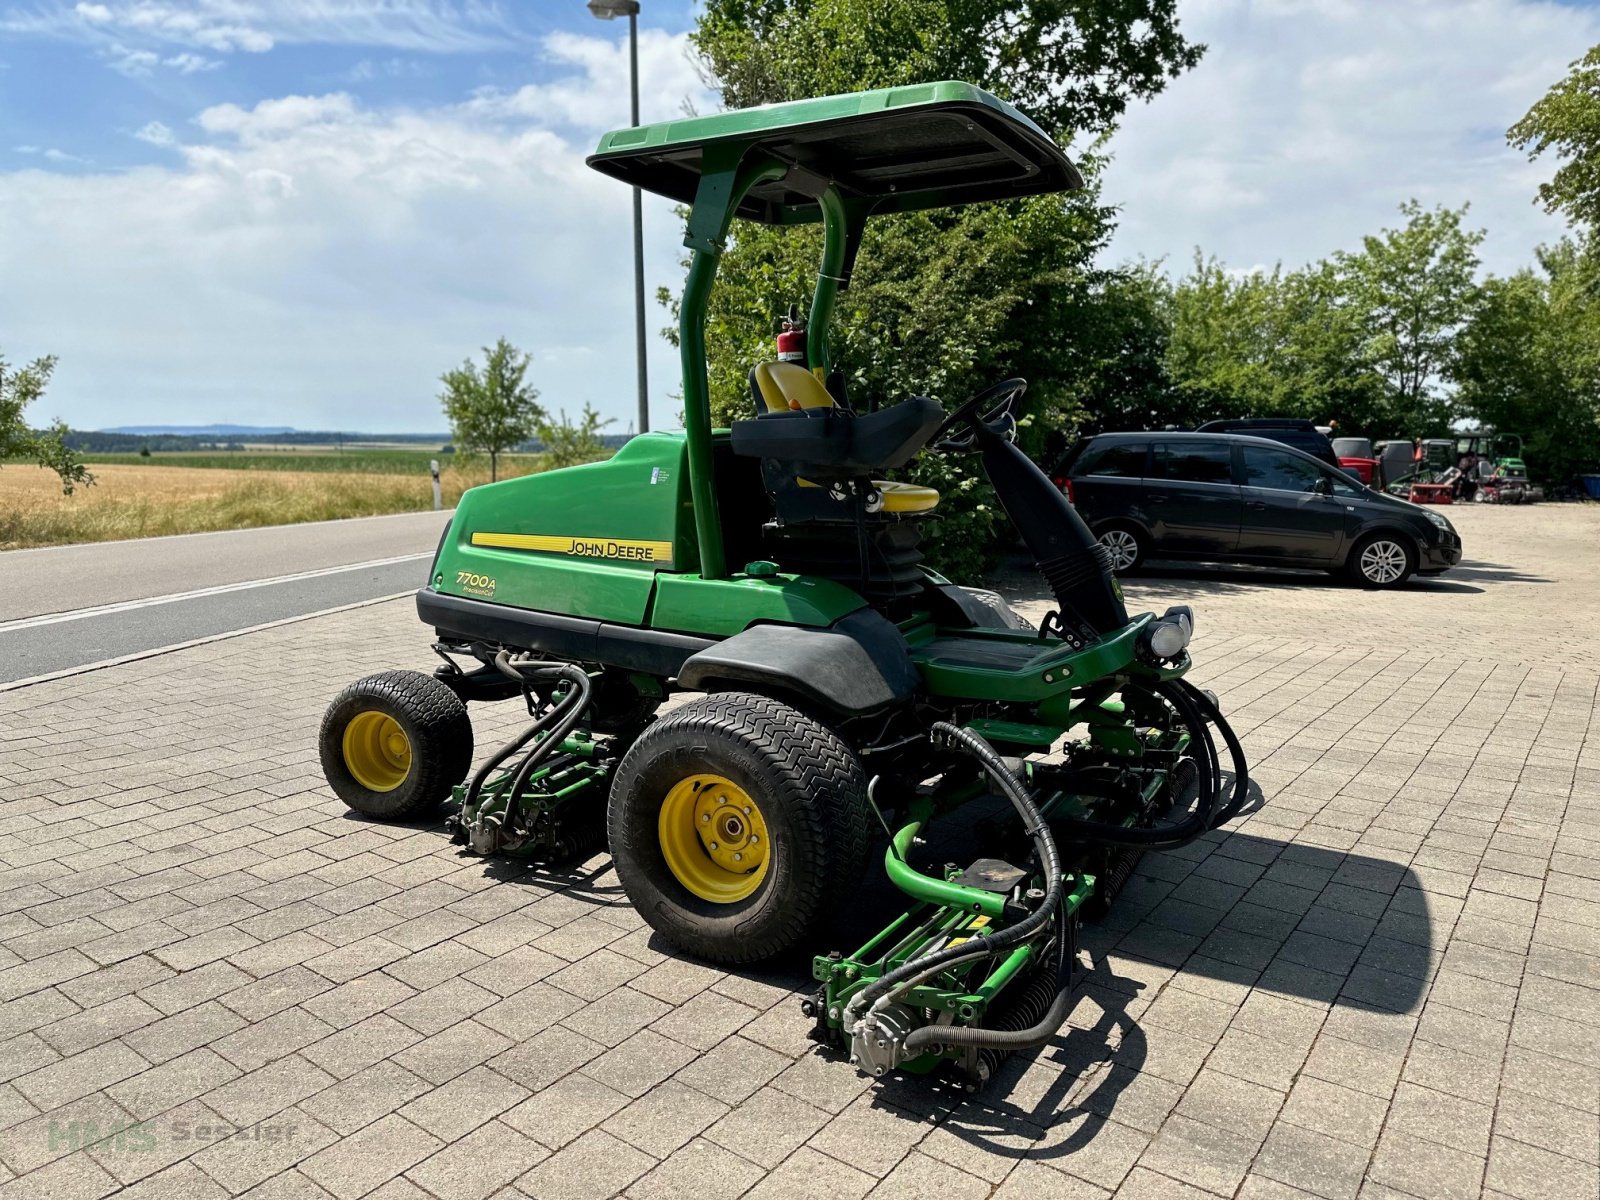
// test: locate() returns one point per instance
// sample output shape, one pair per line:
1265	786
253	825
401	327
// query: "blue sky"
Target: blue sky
303	211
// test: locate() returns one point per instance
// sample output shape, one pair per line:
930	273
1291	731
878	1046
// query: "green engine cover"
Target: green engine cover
615	541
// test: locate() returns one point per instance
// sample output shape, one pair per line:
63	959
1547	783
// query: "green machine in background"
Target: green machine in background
842	688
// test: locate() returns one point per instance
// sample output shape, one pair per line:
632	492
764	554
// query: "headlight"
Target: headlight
1438	519
1168	636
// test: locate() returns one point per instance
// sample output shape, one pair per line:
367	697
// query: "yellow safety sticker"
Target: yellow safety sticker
614	549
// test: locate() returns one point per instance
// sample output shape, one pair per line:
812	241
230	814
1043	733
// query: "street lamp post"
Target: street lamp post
606	10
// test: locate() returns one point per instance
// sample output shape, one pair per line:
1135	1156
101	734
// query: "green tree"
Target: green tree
18	389
942	303
491	410
1566	121
1529	361
1270	344
1415	287
568	443
1072	65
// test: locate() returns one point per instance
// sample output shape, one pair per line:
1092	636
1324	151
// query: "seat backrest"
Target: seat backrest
785	386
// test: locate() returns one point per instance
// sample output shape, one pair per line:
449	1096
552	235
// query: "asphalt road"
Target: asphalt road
69	606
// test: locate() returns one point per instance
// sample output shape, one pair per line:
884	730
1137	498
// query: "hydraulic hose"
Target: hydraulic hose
570	710
1208	814
926	1037
519	672
983	946
1241	769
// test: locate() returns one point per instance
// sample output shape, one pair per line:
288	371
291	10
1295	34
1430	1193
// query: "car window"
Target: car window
1265	468
1122	459
1343	486
1194	462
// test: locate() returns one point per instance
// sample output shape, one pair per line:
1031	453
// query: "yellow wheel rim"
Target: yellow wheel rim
377	751
714	838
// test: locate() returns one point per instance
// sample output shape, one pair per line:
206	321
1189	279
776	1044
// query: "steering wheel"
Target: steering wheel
995	403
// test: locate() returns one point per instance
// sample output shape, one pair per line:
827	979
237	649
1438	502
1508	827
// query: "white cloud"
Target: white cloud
188	63
1309	121
321	263
50	155
227	26
133	63
155	133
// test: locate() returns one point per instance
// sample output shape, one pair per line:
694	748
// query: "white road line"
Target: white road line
79	614
140	655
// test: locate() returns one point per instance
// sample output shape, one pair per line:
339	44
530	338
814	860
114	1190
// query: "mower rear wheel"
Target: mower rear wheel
394	744
737	825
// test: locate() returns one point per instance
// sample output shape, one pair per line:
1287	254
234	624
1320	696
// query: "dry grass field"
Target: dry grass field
129	501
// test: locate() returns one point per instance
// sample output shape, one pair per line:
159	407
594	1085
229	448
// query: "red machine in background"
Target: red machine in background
1357	457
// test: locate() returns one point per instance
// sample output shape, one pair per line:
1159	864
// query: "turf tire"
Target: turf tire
811	791
436	724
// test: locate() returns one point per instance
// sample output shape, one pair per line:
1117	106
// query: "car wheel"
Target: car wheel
1124	547
1381	560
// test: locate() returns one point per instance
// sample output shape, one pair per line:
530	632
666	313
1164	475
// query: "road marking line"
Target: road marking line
138	655
79	614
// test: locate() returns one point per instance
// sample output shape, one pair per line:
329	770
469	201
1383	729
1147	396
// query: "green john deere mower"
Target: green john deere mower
841	688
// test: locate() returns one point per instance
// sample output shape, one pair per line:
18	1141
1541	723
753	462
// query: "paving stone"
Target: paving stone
358	1163
768	1127
593	1167
808	1173
706	1171
1531	1173
1313	1161
478	1165
1437	1117
1201	1154
1426	1169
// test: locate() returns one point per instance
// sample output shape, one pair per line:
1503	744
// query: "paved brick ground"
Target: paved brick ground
1384	982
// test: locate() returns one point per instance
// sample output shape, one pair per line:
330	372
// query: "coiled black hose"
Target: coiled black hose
522	672
1034	825
1195	710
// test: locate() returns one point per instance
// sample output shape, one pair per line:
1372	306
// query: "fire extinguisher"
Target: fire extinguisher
792	339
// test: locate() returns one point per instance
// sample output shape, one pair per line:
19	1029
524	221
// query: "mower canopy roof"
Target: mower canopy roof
897	149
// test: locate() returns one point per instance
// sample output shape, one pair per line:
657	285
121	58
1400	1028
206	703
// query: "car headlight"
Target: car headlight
1438	519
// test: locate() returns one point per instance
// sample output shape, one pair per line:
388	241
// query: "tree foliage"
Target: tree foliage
18	440
1529	361
1415	287
1566	122
1072	65
567	443
491	409
1268	344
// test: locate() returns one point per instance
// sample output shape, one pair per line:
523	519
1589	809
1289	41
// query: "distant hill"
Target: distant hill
233	431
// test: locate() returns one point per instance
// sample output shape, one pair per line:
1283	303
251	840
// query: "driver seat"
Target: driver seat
786	387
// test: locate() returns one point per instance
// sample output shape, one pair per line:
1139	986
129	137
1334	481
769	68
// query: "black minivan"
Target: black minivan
1225	497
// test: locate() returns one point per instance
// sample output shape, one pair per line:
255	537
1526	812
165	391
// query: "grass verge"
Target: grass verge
134	501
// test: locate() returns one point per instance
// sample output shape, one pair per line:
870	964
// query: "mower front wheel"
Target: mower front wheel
394	744
737	825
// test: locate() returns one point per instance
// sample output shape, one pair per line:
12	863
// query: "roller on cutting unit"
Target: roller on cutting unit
843	695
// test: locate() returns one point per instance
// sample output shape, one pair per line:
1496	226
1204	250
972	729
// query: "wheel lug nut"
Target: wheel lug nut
754	839
705	818
738	858
747	810
713	845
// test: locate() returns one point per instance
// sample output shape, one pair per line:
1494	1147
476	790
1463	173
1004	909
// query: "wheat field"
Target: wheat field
151	500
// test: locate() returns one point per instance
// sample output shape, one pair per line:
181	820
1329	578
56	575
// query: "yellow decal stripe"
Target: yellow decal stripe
615	549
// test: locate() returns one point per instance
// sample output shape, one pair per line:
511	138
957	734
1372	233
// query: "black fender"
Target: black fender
858	665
